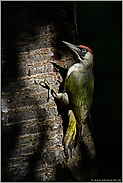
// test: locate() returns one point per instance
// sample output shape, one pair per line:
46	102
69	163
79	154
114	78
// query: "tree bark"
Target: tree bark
33	127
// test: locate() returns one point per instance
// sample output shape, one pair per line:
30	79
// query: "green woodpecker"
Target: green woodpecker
78	92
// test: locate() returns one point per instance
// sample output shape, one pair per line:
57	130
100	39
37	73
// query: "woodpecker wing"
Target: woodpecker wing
80	88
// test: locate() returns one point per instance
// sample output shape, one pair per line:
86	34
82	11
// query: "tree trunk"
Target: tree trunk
33	127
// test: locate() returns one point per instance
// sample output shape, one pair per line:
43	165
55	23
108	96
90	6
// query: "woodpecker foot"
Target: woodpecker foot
49	86
69	140
51	89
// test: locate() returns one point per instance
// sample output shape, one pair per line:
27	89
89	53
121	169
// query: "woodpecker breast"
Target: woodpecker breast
75	67
79	85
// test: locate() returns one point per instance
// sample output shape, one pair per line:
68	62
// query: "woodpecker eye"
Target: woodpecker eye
84	50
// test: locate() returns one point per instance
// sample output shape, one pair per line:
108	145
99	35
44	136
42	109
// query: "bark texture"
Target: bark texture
32	126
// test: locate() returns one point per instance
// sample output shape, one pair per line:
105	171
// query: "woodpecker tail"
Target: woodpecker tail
69	140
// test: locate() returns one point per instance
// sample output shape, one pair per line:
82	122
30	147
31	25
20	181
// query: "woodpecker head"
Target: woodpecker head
85	54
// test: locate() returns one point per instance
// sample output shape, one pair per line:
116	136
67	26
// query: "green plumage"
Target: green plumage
80	87
78	93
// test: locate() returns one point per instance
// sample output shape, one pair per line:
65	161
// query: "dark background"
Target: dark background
99	27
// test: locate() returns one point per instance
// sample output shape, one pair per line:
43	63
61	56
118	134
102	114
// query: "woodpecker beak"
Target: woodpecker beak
84	53
72	46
